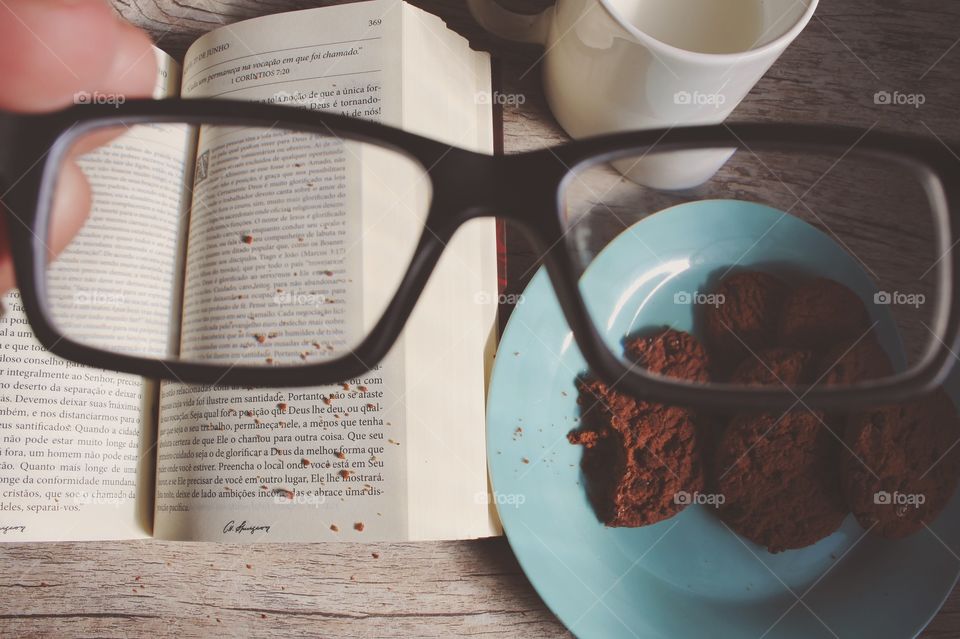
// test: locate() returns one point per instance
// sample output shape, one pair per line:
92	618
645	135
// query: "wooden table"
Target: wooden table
852	49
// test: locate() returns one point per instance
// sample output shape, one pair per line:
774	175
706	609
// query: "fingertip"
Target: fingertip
49	50
133	73
70	208
69	212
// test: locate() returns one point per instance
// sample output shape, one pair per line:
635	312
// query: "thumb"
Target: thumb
50	49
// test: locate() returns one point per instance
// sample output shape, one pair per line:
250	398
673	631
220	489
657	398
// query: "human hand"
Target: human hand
49	51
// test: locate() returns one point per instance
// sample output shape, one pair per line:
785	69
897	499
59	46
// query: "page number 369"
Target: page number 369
374	23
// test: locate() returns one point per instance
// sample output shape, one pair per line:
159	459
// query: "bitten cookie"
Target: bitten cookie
640	457
779	480
638	462
746	317
902	466
821	312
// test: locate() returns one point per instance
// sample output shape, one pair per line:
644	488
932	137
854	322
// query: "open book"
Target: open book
88	454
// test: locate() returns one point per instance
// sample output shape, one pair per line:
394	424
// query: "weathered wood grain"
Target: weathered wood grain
852	49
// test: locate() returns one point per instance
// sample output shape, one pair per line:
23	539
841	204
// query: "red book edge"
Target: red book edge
498	150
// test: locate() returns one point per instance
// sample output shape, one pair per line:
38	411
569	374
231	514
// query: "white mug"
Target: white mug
615	65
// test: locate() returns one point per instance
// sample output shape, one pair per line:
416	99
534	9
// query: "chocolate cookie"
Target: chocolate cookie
639	457
670	353
779	480
745	319
774	366
821	312
848	363
639	460
903	464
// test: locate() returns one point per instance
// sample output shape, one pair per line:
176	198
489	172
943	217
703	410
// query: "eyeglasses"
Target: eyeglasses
836	292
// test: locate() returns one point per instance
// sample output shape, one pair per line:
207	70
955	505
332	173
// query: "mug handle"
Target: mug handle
519	27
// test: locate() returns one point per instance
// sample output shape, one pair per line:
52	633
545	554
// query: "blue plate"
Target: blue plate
688	576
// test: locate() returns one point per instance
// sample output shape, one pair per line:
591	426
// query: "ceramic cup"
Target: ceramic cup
614	65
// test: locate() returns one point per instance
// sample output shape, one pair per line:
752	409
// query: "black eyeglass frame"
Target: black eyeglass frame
525	189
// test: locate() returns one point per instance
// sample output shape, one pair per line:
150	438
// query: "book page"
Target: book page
76	444
275	244
346	462
451	336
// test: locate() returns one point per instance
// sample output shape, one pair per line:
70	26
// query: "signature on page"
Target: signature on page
12	529
244	527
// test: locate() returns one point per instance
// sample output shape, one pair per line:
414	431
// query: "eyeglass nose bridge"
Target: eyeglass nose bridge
519	188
